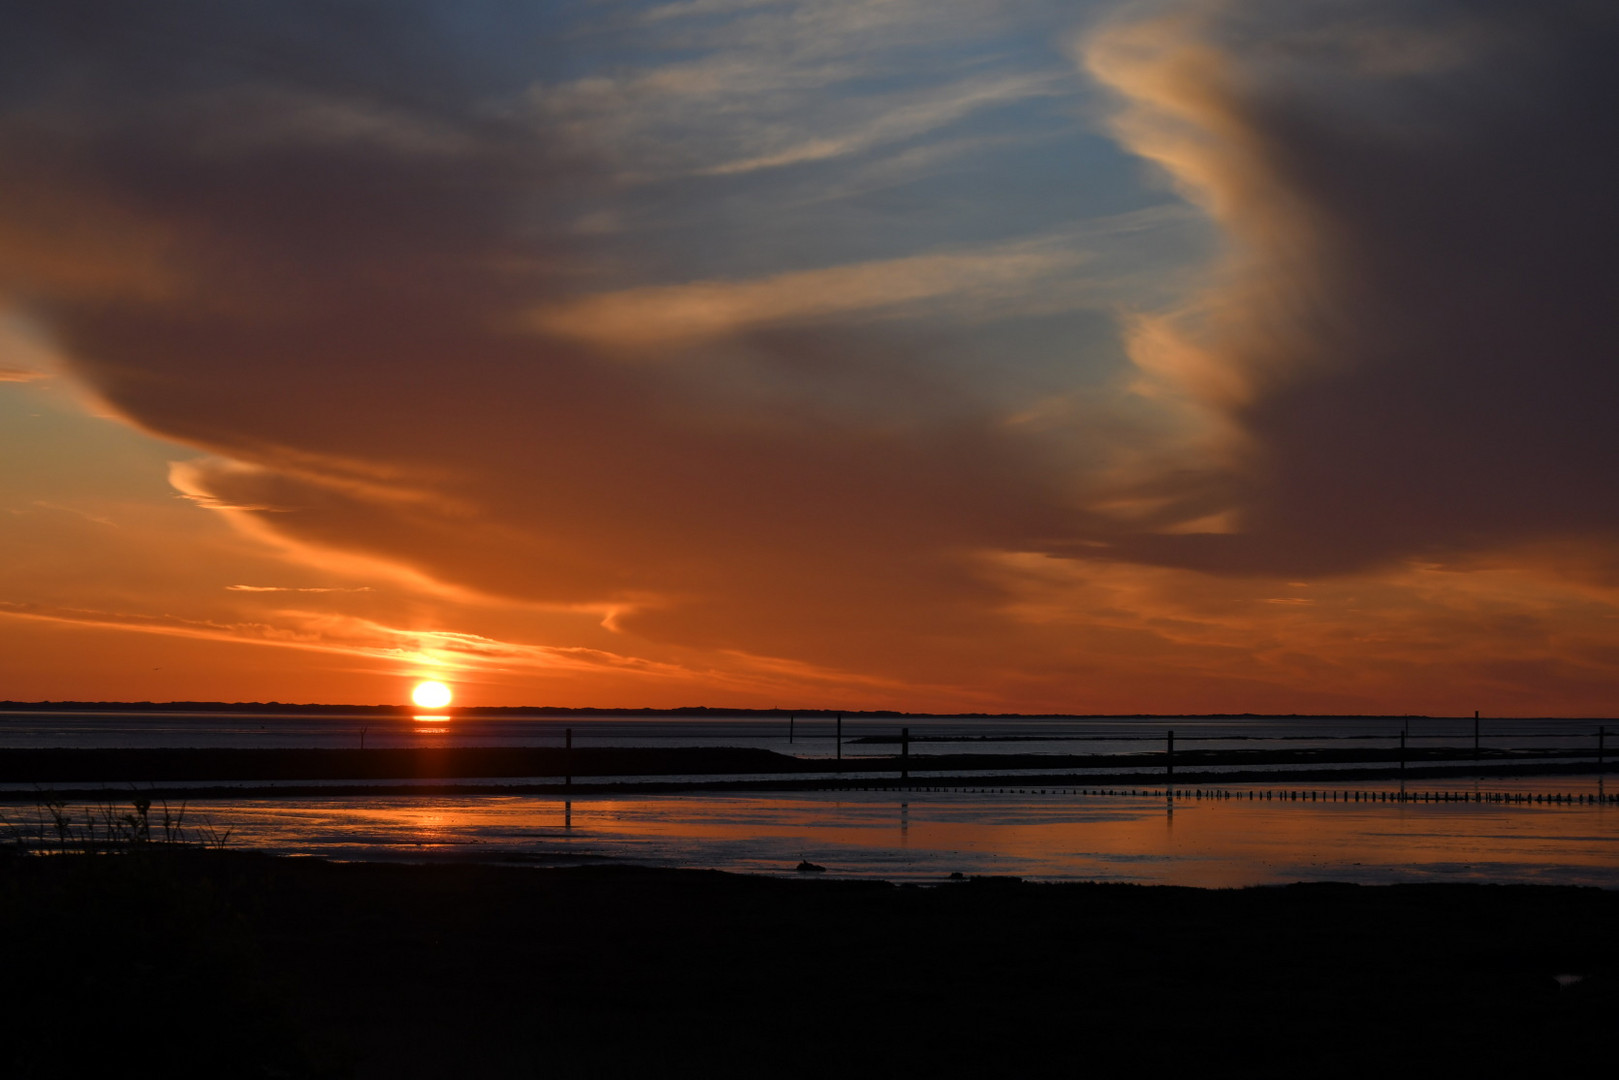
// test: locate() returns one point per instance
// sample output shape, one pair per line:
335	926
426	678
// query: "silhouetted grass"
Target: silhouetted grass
57	827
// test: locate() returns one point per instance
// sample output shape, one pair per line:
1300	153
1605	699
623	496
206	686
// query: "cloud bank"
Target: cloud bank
1410	347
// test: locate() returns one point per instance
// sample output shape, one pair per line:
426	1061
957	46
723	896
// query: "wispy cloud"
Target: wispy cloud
299	588
87	515
784	84
681	313
893	121
1085	264
326	632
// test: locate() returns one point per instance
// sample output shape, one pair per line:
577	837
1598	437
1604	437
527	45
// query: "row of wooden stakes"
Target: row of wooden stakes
1276	795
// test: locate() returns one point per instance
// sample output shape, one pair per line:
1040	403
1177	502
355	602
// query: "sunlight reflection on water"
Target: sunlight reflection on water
927	835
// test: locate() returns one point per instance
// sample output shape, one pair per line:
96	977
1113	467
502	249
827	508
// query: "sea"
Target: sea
1237	829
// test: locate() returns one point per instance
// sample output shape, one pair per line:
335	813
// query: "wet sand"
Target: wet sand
192	963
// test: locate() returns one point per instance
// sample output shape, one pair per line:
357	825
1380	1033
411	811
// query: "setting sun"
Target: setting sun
431	695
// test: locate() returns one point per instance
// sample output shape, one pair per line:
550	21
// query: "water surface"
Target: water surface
925	836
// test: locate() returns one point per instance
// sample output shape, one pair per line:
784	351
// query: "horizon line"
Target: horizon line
720	710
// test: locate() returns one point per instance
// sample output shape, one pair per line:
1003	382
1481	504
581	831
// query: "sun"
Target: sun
431	695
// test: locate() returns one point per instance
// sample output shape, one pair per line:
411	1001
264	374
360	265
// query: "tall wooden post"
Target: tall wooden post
790	721
1602	739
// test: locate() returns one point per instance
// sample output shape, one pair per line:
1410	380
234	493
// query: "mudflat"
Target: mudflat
188	962
542	769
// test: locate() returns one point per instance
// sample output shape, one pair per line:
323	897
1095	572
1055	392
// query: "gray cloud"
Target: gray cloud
1415	336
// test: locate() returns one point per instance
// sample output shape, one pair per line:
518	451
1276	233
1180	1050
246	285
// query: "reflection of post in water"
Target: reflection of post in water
1602	762
1402	761
904	823
1169	772
567	815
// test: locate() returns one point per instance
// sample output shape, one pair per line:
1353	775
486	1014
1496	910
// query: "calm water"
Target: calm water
925	836
919	835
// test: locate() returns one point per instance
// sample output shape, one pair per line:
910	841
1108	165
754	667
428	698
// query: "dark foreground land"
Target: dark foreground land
203	963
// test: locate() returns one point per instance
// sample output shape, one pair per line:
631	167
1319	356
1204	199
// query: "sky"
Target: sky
980	355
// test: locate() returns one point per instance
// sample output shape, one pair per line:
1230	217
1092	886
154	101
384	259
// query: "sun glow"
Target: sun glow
431	695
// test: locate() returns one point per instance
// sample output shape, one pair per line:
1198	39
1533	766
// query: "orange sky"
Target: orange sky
1186	357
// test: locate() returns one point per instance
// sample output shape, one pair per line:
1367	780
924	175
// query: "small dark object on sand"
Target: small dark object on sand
807	867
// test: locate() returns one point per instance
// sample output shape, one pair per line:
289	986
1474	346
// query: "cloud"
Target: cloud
349	636
1065	267
345	265
681	313
299	588
897	121
1408	350
389	283
767	86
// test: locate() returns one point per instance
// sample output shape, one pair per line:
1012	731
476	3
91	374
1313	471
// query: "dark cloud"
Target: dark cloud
1420	203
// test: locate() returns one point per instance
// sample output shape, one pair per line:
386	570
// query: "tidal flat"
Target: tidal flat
188	962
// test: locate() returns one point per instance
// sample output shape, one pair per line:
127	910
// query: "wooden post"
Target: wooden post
790	721
1602	738
567	756
905	753
362	737
1402	759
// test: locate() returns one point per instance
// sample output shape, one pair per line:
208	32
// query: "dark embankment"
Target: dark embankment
413	763
151	768
225	964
